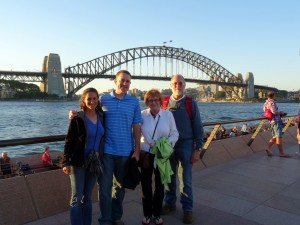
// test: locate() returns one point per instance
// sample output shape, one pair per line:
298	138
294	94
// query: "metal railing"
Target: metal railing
217	125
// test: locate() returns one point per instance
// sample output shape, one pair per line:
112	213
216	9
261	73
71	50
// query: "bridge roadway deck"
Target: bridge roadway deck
247	191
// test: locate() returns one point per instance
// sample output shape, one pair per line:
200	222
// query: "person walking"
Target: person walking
84	137
186	150
275	125
157	123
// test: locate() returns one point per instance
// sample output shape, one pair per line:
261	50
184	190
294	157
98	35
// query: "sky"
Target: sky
258	36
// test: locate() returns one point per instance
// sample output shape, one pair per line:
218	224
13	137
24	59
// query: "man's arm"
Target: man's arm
198	133
137	140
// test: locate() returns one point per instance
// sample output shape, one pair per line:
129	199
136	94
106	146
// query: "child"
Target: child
46	158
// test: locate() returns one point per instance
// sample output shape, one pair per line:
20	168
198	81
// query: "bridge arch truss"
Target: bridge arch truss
162	61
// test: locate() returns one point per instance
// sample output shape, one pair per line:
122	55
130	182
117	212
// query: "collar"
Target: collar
174	100
150	115
112	94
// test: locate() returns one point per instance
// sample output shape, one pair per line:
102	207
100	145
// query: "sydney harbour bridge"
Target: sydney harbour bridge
145	63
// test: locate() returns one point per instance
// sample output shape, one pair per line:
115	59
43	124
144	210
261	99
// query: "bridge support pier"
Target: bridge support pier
249	79
54	82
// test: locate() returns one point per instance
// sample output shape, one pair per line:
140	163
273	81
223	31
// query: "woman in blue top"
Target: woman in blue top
85	134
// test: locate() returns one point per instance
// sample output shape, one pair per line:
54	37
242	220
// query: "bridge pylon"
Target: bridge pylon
53	84
249	79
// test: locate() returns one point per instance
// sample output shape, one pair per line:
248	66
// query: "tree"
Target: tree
166	92
24	90
193	93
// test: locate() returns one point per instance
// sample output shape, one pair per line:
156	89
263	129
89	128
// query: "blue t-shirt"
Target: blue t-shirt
119	116
95	133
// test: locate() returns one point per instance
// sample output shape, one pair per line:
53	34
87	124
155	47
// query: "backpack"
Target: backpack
268	114
188	105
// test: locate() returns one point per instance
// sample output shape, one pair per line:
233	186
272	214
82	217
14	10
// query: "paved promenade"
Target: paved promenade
248	191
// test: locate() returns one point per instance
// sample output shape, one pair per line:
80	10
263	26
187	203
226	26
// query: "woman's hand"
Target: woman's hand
67	170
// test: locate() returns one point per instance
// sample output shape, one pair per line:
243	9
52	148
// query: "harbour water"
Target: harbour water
22	119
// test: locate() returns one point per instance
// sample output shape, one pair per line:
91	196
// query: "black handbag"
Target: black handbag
93	164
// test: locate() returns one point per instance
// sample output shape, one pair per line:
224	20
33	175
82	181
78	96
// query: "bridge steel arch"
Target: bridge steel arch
100	66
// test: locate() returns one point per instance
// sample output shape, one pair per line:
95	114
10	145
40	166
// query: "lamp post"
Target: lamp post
166	59
165	42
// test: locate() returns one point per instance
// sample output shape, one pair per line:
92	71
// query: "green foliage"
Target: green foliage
281	94
166	92
25	90
193	93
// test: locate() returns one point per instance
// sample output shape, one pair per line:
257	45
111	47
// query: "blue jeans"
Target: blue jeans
82	184
181	163
111	190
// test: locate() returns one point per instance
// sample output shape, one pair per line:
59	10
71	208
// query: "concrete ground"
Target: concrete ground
248	191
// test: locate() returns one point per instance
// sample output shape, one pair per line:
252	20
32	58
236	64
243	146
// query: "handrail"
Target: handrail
55	138
232	121
35	140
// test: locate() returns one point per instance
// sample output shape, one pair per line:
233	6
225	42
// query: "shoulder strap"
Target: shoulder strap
155	127
165	102
189	106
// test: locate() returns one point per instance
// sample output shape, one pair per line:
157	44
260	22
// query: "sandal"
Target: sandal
146	220
285	156
269	153
158	220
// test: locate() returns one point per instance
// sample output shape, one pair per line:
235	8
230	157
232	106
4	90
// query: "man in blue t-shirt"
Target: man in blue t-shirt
122	119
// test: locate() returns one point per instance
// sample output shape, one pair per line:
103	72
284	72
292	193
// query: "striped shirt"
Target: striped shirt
119	116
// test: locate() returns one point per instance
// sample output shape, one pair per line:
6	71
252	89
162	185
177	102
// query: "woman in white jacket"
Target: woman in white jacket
157	123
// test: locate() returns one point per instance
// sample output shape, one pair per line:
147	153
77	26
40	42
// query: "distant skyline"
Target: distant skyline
261	37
